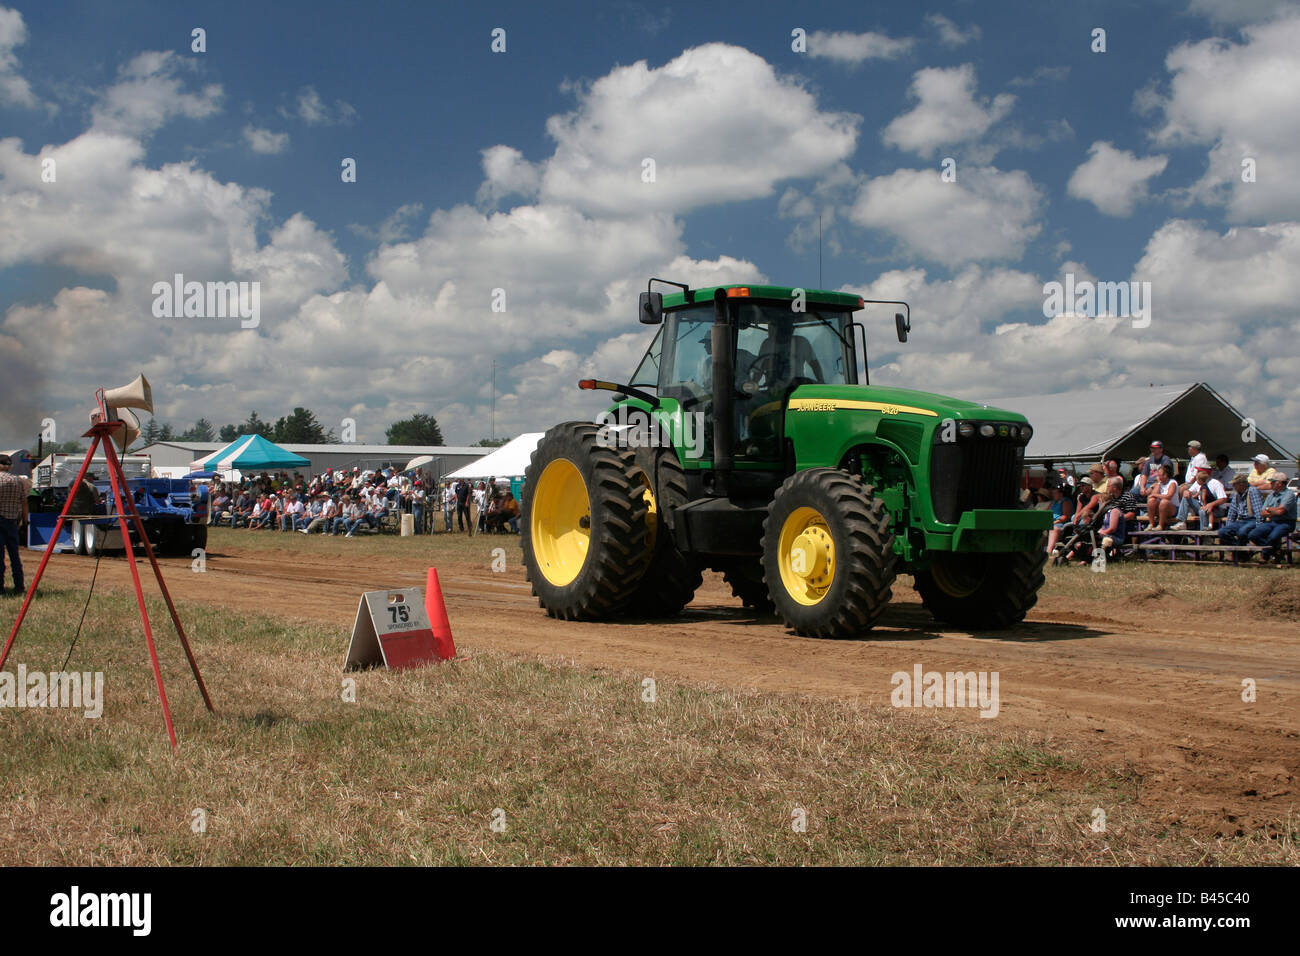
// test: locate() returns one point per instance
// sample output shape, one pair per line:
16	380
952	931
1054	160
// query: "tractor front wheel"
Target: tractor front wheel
982	592
828	554
583	533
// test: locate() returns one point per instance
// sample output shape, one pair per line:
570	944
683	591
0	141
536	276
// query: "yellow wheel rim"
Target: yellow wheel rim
561	522
806	556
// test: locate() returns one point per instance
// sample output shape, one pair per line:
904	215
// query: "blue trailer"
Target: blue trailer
174	511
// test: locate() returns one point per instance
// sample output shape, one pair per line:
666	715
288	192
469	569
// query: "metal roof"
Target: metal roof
1122	422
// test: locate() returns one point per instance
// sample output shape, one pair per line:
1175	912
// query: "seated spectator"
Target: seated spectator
1160	498
242	510
1261	475
291	519
1140	479
1243	512
263	513
1223	472
1277	519
1062	512
1119	514
313	517
1194	460
340	520
377	511
1156	459
354	516
1204	501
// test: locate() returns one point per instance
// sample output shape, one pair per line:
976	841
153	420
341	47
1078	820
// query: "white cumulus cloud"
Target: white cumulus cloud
947	111
987	214
1114	180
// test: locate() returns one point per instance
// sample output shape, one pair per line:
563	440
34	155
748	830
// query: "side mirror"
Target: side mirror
651	308
902	325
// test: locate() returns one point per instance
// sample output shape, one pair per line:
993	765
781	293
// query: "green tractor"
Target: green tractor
744	443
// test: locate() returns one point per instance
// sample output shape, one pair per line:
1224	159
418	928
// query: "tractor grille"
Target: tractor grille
975	473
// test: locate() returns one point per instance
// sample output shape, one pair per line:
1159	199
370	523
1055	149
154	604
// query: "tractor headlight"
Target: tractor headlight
1026	433
986	431
966	430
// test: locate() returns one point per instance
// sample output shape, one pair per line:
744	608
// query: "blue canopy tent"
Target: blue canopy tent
249	453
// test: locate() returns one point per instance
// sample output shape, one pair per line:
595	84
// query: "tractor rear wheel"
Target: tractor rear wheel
746	581
671	578
583	533
828	554
982	591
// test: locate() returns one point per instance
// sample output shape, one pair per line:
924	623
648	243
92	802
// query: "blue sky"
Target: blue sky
521	170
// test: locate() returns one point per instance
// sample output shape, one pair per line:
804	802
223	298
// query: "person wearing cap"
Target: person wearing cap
1261	474
1156	459
13	518
1161	491
1243	512
1196	459
1276	519
1223	471
1206	495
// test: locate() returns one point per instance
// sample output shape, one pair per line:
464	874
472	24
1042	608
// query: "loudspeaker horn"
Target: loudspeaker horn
129	433
135	395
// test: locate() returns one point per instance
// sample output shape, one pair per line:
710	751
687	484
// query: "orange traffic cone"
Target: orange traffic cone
437	611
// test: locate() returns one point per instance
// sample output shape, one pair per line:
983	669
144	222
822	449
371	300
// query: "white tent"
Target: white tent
1122	422
508	461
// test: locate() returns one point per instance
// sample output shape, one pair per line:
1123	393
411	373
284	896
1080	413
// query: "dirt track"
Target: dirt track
1160	694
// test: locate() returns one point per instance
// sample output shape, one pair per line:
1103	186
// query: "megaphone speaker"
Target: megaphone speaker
135	395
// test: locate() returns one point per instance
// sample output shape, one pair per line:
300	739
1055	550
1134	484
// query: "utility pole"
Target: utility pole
819	251
494	400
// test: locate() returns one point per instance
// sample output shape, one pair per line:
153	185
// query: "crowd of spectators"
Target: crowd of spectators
1251	508
343	502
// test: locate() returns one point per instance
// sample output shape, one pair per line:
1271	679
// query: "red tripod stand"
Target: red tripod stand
101	434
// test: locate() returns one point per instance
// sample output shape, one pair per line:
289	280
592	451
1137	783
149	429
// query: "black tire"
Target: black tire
616	553
78	533
982	592
859	586
746	581
671	578
198	537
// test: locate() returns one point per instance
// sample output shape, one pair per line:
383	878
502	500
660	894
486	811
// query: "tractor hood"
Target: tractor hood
892	401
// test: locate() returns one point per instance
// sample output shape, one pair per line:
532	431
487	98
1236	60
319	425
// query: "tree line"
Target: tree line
299	428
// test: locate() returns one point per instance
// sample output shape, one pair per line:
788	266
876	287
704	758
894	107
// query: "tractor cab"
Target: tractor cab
776	339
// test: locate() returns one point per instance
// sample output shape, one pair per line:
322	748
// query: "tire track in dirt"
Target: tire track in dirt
1162	695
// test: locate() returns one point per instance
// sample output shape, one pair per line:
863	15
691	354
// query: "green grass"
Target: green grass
584	770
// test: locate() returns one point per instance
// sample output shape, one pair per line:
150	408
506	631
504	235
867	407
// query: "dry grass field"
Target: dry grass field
583	770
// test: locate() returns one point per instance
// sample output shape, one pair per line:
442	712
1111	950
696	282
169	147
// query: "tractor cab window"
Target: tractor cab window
686	372
776	352
647	373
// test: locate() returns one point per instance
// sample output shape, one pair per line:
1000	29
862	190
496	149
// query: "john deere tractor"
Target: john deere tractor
745	443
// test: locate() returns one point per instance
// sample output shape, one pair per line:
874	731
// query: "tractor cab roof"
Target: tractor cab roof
837	300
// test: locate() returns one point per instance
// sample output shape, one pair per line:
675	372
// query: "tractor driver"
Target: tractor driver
784	360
